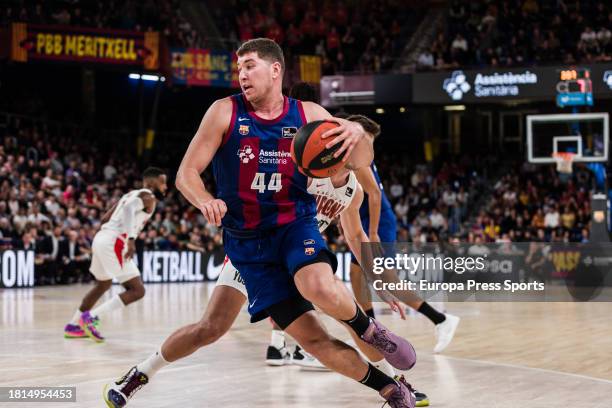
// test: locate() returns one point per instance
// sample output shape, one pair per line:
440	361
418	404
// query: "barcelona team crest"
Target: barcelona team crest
309	251
243	130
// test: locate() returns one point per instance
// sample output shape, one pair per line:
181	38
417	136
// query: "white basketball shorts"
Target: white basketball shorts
231	277
107	261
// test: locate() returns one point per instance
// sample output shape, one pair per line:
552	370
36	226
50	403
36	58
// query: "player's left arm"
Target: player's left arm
144	201
148	200
366	178
349	133
350	220
108	214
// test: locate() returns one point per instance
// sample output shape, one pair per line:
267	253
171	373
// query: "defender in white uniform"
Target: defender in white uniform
113	250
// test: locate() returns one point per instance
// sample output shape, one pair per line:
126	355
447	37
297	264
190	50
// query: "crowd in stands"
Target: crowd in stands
521	32
537	204
54	189
359	35
151	15
430	206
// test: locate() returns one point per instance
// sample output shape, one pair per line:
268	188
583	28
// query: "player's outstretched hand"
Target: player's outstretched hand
349	133
393	303
213	211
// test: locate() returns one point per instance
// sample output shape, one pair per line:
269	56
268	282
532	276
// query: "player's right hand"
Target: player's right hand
214	210
131	249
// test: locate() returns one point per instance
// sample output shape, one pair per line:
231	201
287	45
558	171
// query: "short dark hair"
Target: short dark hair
152	172
304	92
368	124
265	48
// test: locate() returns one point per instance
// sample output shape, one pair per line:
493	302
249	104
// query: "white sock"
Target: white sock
152	364
76	317
111	304
277	339
384	366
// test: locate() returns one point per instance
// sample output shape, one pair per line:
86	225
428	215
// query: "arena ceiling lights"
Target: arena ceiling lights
148	77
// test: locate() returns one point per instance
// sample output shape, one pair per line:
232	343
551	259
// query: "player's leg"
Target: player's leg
445	323
360	289
312	265
134	291
316	283
102	268
278	353
223	308
373	355
221	312
310	333
73	329
129	277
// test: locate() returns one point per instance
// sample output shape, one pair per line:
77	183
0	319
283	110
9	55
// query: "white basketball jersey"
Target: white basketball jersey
331	201
116	222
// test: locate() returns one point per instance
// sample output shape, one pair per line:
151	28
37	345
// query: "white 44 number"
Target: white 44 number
259	182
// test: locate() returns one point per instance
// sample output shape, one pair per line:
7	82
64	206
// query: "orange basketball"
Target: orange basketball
309	153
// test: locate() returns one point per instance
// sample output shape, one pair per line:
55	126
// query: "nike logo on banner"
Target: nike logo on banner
213	271
241	119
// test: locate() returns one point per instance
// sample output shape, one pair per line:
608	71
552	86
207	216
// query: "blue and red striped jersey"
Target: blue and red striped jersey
254	172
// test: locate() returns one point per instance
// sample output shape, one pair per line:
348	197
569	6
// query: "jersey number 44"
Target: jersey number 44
274	184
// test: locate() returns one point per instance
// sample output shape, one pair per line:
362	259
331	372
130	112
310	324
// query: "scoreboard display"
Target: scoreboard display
574	87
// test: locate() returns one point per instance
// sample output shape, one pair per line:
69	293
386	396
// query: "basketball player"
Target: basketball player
113	250
378	218
270	230
342	195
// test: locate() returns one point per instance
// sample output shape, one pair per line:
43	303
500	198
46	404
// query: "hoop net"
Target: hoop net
564	161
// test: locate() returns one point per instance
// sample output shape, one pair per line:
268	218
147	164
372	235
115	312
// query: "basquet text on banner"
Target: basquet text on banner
200	67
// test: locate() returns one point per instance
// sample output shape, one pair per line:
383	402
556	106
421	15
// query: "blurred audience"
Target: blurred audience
521	32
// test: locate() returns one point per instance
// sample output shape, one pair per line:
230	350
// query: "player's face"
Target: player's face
161	186
256	76
362	154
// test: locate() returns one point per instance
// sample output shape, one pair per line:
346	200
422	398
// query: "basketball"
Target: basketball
309	153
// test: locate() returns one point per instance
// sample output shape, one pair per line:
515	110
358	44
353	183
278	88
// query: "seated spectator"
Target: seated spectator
425	60
401	210
437	220
551	219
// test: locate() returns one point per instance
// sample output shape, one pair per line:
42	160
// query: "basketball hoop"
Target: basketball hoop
564	161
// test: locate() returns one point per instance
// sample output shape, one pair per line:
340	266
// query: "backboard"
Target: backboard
585	134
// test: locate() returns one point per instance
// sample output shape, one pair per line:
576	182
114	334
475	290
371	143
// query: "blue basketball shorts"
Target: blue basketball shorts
268	260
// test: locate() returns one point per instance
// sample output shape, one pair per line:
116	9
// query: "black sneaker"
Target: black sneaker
421	399
117	393
306	360
278	357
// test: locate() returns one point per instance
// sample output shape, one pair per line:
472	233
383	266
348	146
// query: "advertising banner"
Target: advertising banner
191	266
310	68
191	66
16	269
32	42
507	84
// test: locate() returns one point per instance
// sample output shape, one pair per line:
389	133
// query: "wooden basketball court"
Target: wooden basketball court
536	355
